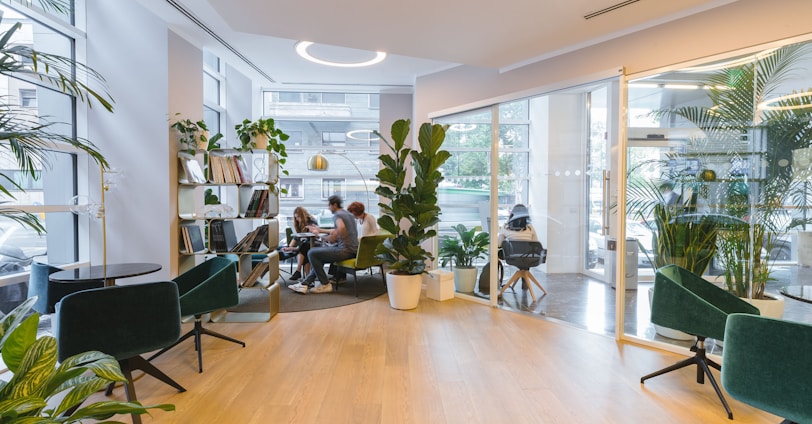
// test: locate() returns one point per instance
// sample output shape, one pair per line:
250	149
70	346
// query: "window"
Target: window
331	186
28	98
334	139
293	186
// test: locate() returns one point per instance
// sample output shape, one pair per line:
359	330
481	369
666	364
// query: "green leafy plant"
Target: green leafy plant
464	248
248	131
33	392
193	132
410	211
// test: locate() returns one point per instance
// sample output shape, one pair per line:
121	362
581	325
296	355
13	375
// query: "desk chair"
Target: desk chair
524	255
208	287
50	292
124	322
364	258
766	365
685	302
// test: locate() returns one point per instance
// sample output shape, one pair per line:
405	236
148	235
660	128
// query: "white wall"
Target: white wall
132	55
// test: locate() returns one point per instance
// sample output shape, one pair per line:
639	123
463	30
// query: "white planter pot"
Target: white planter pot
465	279
665	331
772	307
404	290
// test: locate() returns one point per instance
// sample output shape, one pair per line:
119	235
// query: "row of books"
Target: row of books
191	239
253	241
228	169
258	204
256	273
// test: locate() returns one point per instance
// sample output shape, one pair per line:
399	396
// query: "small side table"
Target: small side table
98	272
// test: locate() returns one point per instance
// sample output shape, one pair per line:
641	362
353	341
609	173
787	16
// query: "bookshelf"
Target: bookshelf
239	221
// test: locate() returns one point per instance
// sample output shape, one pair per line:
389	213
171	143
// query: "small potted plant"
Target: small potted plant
195	135
410	210
262	134
462	250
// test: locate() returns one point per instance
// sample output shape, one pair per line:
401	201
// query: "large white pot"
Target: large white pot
465	279
404	290
773	307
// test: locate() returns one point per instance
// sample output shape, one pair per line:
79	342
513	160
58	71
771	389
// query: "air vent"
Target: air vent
185	12
609	9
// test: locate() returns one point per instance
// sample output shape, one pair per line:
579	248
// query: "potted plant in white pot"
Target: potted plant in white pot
410	210
264	135
461	251
194	135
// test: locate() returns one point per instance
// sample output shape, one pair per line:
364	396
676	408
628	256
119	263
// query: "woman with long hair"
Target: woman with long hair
301	220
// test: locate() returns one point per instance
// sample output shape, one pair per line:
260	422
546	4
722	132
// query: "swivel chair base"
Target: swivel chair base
198	331
139	363
702	363
525	275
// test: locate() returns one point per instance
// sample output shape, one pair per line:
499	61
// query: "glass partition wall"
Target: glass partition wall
718	171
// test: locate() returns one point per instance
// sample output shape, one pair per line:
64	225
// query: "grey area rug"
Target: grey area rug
369	287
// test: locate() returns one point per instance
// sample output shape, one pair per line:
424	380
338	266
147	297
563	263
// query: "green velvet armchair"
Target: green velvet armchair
208	287
766	365
684	301
50	292
124	322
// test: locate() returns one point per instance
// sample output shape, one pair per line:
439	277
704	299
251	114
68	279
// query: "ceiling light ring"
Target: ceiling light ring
302	46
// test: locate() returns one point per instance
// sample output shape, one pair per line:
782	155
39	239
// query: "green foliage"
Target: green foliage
192	132
248	130
410	212
465	247
32	393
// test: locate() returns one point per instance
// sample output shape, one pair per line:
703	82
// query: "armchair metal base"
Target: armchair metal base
703	364
525	275
139	363
198	331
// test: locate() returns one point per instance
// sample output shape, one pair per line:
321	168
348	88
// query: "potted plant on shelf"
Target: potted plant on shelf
37	382
461	250
410	210
195	135
263	134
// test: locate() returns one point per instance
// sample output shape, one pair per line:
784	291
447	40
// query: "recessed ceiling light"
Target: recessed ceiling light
302	46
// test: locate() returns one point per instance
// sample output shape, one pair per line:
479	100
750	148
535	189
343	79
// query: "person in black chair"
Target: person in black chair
517	227
302	219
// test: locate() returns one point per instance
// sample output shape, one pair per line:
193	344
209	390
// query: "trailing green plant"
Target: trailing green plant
32	394
464	248
248	131
27	136
191	132
410	211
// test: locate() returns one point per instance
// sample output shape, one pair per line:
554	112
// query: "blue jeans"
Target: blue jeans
319	256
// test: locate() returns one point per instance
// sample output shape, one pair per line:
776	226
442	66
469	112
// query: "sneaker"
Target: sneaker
299	288
322	288
296	275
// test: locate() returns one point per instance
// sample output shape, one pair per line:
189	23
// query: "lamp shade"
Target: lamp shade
318	162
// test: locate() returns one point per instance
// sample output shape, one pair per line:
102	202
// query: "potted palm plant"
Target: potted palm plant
410	210
462	250
37	383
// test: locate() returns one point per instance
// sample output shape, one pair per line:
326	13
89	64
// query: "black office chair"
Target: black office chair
123	322
523	254
684	301
50	292
208	287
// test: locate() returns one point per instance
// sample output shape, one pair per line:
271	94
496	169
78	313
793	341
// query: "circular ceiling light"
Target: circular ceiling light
804	100
302	46
362	135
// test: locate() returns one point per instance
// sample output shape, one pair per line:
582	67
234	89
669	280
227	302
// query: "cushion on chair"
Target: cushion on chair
766	364
365	257
524	254
122	321
686	302
209	286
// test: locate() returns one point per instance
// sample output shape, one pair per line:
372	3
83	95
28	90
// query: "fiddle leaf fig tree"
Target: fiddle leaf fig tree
410	211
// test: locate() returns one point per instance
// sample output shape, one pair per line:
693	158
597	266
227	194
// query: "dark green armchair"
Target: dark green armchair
124	322
208	287
684	301
766	365
50	292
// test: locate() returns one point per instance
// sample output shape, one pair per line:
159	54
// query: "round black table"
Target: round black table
97	272
802	293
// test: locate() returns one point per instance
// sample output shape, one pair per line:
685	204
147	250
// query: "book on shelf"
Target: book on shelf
256	273
223	237
257	203
191	172
252	241
242	168
191	238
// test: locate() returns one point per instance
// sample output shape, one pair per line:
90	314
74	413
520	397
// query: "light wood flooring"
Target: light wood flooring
444	362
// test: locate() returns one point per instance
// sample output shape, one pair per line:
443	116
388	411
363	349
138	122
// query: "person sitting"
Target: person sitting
300	245
367	224
341	243
517	227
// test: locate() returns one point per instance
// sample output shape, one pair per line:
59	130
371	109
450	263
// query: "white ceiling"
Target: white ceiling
421	36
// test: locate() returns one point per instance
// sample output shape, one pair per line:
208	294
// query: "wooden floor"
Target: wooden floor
444	362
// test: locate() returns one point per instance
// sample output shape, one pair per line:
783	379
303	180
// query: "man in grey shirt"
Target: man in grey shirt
343	244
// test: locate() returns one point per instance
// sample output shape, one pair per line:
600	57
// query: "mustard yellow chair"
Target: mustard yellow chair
364	258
